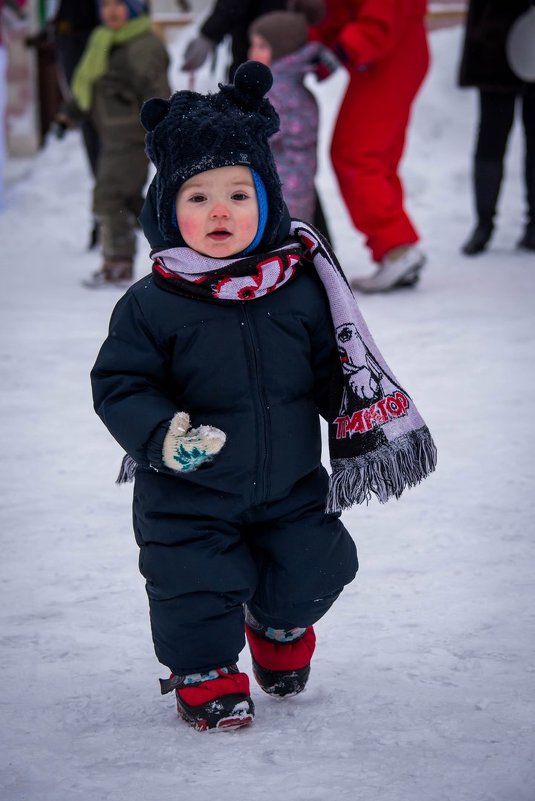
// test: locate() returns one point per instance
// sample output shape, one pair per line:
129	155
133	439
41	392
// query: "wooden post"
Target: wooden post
22	124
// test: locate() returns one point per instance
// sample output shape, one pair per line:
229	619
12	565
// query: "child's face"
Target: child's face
217	211
260	50
113	13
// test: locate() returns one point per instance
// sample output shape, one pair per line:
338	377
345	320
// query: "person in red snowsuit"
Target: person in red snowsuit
383	44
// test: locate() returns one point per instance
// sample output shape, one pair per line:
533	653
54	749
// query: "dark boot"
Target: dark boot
281	668
487	181
215	700
527	241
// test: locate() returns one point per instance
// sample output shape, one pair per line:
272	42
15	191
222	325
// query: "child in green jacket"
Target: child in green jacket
124	64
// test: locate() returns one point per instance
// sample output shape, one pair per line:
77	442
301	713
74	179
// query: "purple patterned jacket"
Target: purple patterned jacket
295	146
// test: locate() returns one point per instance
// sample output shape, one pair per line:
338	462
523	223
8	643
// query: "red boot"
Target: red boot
214	703
281	668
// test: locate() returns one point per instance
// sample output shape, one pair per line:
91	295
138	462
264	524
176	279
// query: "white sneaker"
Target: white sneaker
394	272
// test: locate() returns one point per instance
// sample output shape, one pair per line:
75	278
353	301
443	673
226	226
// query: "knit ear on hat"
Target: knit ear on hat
153	111
251	82
253	79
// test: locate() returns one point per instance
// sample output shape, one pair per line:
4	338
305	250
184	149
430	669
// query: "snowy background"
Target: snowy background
423	682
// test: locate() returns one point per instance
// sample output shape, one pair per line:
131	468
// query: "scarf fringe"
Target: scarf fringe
385	472
127	470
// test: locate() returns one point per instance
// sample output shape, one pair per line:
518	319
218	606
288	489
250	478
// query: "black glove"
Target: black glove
196	53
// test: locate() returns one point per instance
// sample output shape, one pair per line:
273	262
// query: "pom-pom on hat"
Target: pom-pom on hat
191	133
284	31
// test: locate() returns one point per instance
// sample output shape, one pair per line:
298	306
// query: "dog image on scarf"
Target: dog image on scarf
366	381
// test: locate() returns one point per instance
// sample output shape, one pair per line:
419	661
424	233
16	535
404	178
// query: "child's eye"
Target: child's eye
240	196
197	198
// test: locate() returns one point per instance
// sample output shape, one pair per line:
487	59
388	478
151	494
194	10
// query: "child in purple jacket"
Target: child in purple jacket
280	40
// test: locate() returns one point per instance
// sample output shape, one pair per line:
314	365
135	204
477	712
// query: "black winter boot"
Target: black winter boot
478	240
216	700
527	241
487	181
281	668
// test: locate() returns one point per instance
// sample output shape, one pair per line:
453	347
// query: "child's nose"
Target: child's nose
220	210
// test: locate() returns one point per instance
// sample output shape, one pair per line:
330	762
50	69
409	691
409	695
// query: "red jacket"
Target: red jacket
367	30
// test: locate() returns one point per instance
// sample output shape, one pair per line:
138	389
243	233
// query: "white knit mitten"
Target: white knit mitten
185	449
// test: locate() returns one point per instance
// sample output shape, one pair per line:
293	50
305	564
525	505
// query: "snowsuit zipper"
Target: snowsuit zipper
263	451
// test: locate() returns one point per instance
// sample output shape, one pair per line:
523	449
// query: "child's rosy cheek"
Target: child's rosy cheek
186	226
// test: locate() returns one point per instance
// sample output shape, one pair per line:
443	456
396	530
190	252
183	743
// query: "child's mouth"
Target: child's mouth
219	236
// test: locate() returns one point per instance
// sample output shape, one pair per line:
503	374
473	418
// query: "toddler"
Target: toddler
280	40
212	378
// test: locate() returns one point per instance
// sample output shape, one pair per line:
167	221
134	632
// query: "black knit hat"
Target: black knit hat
191	133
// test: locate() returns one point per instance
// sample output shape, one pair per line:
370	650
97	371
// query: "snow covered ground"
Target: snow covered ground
423	681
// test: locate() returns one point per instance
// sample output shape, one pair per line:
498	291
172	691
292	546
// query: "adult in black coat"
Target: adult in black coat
484	65
233	18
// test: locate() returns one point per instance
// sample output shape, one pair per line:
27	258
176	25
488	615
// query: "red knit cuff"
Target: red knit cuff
197	694
281	656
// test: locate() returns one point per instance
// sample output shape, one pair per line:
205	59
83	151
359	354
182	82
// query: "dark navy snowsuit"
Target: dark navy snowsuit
249	527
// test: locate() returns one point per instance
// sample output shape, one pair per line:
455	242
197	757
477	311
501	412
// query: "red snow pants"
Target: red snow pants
369	138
